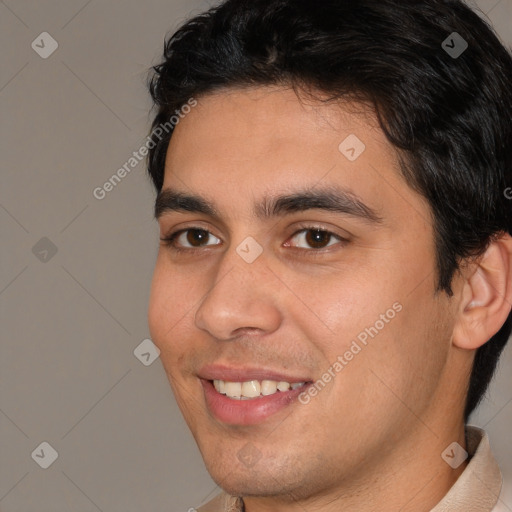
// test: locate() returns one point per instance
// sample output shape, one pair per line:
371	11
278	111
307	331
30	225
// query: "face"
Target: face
296	256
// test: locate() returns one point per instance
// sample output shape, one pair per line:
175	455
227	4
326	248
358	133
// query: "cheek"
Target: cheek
407	359
171	300
388	316
346	305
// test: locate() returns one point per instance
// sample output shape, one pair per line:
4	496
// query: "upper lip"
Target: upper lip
245	373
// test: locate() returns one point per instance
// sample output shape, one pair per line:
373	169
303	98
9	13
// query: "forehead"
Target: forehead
243	144
269	121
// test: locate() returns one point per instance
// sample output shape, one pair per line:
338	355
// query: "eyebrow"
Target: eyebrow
332	199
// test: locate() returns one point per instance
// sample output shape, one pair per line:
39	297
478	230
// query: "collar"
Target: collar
478	487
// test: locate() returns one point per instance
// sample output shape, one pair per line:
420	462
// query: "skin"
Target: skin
372	439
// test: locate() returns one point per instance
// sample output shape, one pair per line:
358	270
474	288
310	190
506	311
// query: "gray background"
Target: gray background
70	324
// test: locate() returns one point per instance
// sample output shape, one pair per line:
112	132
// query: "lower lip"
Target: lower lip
247	412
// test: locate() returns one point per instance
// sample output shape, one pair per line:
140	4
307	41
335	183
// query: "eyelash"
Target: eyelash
168	241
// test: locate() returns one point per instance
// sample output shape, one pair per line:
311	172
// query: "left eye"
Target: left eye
315	238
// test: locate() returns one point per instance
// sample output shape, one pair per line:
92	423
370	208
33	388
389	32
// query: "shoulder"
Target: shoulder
505	499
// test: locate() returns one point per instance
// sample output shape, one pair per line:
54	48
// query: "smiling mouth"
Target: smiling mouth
254	389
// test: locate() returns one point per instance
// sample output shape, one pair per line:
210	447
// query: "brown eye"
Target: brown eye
192	238
197	237
314	238
317	238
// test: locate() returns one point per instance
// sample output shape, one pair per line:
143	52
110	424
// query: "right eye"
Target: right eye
189	239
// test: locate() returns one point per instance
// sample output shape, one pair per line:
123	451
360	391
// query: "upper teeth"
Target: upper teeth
253	388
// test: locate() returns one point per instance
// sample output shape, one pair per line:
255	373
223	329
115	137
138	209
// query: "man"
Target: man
334	284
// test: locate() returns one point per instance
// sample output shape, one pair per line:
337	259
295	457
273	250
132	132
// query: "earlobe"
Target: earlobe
486	296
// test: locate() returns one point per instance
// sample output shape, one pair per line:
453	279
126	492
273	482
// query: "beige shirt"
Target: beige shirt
476	490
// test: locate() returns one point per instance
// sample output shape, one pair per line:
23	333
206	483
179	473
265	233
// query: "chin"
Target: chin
249	484
265	478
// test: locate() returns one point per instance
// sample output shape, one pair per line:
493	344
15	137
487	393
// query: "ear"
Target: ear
486	296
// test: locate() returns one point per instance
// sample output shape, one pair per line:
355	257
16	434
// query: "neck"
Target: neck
413	477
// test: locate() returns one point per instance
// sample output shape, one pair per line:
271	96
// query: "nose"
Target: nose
242	299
